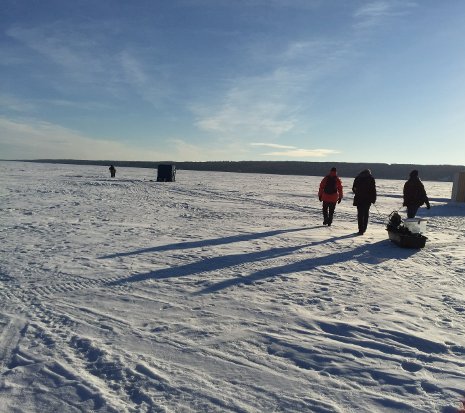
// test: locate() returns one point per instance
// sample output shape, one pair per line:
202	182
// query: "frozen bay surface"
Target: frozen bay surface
222	292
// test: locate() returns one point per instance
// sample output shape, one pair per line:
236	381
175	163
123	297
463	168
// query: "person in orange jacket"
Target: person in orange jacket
329	193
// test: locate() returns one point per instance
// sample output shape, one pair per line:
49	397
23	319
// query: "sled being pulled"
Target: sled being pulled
406	234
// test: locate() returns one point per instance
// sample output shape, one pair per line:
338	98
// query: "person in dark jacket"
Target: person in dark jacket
112	170
364	188
329	193
414	194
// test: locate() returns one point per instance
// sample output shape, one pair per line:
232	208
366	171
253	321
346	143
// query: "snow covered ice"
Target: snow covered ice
222	292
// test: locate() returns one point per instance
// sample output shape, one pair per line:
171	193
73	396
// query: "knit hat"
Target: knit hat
414	173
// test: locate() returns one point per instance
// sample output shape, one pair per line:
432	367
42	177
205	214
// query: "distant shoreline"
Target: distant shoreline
442	173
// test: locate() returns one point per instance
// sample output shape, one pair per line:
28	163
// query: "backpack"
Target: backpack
395	220
331	185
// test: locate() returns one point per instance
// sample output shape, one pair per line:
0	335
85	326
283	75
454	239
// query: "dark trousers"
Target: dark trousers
363	213
412	210
328	212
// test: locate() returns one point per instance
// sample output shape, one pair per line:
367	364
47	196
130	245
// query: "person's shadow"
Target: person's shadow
218	263
206	242
367	253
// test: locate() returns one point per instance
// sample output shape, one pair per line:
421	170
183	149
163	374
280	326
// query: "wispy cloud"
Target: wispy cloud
291	4
87	56
37	139
273	145
12	103
152	85
303	153
182	149
250	109
28	106
271	104
32	139
294	152
71	50
376	12
377	8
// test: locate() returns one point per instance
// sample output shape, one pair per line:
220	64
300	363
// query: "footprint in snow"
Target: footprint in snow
411	366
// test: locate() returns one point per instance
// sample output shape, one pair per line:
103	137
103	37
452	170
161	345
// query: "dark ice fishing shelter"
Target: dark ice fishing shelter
166	173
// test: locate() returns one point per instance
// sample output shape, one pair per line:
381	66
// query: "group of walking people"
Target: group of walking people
330	193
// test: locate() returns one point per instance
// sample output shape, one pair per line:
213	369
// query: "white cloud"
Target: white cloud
233	120
374	9
73	51
314	54
133	69
273	145
207	151
32	139
303	153
28	106
152	85
14	104
291	4
27	139
82	57
294	152
269	105
376	12
252	108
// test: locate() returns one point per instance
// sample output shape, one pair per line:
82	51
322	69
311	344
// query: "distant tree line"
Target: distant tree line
346	169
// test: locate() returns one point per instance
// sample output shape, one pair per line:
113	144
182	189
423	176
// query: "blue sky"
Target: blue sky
196	80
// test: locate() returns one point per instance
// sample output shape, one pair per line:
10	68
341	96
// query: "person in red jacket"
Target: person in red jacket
330	192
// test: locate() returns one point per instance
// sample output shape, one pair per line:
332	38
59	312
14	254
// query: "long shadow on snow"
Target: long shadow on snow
206	243
218	263
450	209
367	253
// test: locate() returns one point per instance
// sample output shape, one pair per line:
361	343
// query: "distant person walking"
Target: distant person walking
112	170
329	193
364	188
414	194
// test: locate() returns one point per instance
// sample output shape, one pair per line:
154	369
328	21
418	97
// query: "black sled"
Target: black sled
401	235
